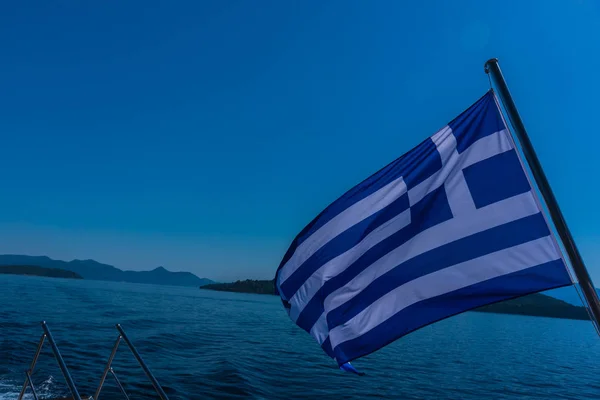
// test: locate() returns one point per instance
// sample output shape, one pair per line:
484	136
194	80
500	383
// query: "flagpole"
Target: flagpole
585	281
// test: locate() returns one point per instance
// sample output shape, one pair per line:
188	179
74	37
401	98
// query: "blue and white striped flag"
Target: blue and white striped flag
449	226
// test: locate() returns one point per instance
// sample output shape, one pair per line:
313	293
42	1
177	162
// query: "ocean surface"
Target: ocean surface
210	345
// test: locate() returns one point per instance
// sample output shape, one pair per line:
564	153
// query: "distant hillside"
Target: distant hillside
536	304
539	305
38	271
93	270
247	286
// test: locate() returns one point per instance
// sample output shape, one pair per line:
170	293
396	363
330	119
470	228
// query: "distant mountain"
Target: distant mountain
568	294
164	277
93	270
539	305
34	270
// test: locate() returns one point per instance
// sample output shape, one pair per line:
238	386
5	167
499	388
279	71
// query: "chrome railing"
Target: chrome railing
59	359
107	370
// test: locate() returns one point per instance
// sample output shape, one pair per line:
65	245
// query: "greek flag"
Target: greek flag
449	226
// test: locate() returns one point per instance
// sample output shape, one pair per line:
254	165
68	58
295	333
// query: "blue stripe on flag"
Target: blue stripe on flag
480	120
546	276
326	346
471	247
421	165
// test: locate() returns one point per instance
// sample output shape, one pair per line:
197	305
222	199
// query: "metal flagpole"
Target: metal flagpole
492	68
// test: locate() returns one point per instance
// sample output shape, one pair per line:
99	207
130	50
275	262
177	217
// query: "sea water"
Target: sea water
211	345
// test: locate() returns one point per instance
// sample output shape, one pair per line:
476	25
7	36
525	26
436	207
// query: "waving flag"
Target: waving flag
449	226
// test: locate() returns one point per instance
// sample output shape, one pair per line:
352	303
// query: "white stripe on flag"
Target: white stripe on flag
445	141
319	330
458	194
447	280
457	190
344	220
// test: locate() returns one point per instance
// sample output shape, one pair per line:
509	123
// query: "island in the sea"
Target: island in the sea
247	286
537	304
34	270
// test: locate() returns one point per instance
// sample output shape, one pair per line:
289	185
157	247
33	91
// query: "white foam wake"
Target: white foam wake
10	390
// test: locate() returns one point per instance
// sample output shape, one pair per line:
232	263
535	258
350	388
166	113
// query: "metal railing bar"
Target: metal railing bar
35	396
32	366
61	363
119	384
108	367
157	387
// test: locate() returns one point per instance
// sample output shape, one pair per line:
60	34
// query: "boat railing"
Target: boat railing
108	369
59	359
47	335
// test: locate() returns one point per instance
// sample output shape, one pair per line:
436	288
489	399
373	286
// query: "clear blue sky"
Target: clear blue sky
203	136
